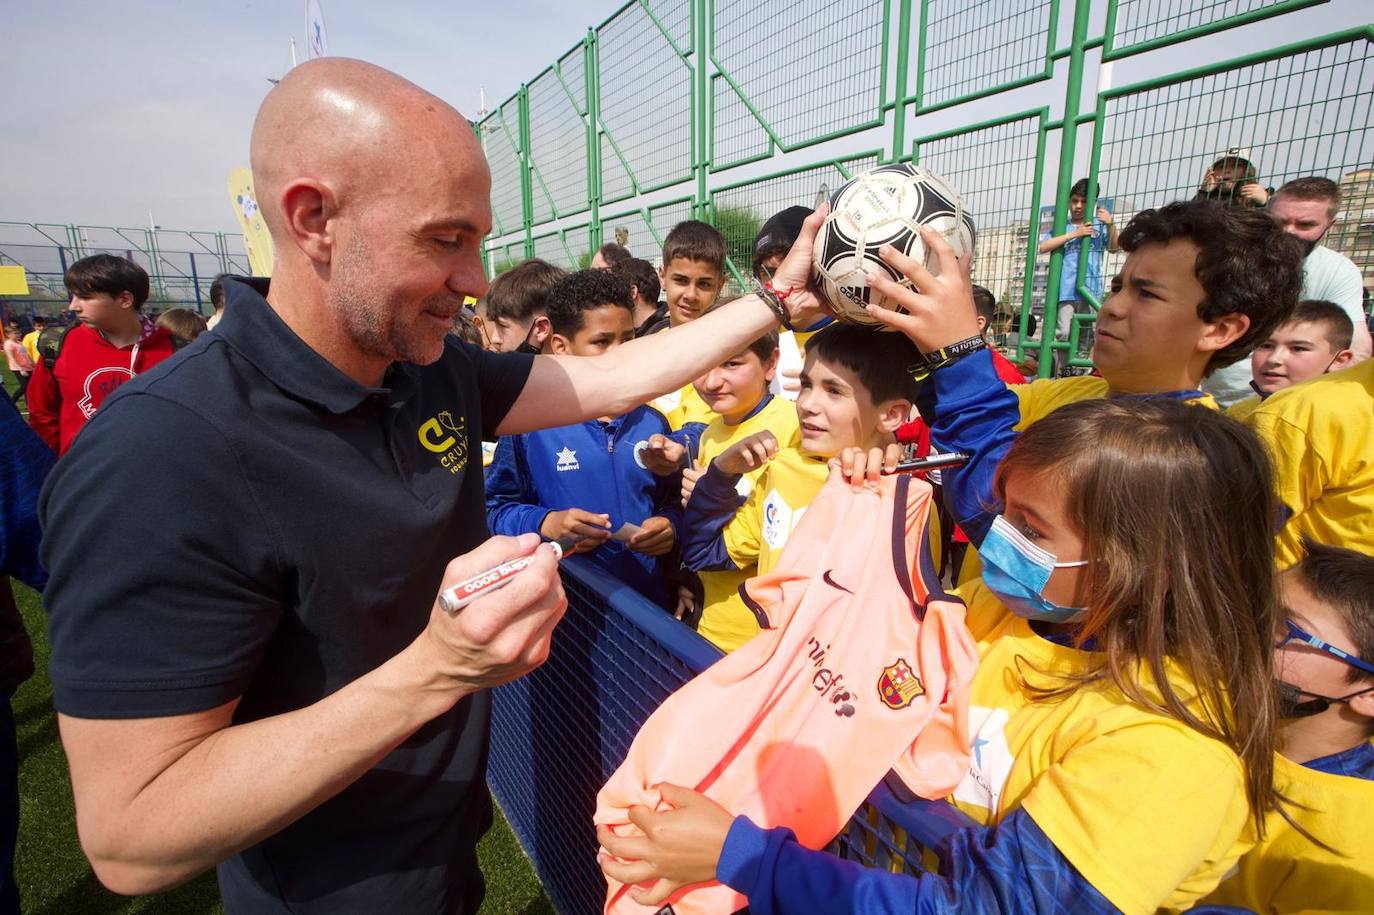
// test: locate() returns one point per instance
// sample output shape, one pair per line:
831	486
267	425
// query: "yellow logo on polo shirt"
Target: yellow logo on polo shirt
446	437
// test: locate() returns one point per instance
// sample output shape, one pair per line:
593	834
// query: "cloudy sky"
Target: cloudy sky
113	108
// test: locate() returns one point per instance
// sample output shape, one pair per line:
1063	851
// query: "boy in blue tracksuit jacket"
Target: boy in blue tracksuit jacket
587	480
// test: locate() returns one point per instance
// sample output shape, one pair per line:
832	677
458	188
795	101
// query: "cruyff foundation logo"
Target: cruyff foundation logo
446	437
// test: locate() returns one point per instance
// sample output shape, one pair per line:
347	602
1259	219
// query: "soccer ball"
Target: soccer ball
878	207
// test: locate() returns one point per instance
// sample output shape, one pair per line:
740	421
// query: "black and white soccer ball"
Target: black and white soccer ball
884	206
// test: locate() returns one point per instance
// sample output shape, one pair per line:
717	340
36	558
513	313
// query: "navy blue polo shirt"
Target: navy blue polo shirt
244	520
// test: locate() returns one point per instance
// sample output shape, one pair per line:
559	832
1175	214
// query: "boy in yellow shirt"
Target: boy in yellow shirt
692	276
856	389
737	390
1325	770
1319	437
1314	341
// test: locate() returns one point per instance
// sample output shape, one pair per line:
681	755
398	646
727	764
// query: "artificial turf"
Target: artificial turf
53	875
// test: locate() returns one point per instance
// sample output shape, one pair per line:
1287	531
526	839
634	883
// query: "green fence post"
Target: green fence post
522	117
700	142
590	66
1068	137
903	67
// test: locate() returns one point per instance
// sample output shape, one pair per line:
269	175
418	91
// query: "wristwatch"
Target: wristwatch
947	354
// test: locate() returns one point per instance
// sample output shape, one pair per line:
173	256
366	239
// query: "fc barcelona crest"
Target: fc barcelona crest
898	685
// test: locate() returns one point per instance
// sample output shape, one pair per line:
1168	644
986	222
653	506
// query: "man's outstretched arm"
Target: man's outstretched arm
570	389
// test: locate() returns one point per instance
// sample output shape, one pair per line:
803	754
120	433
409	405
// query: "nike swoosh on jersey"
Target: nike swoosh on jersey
825	576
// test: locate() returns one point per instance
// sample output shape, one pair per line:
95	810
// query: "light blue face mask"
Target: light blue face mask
1017	571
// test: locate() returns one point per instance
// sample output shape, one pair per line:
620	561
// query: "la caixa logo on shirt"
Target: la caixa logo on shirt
446	437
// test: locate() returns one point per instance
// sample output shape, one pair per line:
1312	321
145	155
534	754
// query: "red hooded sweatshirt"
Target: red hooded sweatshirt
87	370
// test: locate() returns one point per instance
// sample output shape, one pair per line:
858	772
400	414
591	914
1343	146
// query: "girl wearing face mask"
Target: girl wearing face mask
1123	713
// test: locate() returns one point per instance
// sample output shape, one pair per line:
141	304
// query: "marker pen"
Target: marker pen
497	577
934	462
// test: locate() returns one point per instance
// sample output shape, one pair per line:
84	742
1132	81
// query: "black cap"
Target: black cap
781	229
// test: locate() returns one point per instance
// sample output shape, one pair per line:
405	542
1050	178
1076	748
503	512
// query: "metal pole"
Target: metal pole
195	281
1068	138
903	68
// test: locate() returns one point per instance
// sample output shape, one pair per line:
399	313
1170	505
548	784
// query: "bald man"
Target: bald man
249	665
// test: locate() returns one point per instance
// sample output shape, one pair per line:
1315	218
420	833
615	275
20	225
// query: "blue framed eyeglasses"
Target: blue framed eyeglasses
1295	634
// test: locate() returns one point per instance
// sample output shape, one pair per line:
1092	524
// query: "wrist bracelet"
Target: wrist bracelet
774	300
948	354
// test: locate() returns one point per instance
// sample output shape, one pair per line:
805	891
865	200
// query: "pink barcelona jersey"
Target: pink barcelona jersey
862	667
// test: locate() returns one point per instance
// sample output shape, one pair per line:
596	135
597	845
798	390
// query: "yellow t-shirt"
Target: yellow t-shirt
1288	873
30	343
683	407
725	620
1240	410
1149	811
776	504
1320	435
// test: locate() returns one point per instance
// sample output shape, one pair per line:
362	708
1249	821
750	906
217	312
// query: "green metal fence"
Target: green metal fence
180	264
729	110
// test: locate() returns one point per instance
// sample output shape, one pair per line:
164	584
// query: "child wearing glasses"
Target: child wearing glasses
1325	667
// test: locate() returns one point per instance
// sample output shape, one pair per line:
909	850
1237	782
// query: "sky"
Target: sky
111	109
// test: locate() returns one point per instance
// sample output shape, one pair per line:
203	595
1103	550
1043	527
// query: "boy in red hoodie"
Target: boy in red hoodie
112	343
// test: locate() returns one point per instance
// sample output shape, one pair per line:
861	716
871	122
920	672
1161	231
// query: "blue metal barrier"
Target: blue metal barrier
560	732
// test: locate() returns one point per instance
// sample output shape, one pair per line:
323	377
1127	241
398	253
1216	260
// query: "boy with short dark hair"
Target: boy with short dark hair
692	275
587	480
856	389
1325	768
609	256
650	314
515	320
1316	340
113	342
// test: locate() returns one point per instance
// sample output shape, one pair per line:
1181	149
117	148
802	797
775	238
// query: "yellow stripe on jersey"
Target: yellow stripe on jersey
1320	435
1287	872
1150	811
725	620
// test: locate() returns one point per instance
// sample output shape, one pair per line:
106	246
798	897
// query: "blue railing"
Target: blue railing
560	732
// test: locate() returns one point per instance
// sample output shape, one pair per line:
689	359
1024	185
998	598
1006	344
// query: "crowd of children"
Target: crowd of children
1173	706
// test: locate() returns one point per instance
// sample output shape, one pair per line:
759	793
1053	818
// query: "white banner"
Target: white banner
316	35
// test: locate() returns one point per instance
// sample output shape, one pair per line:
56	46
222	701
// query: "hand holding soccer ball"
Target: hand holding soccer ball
898	206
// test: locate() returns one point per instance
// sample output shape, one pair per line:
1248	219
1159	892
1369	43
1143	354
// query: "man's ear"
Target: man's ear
308	205
540	330
982	325
1222	332
892	413
558	344
1341	361
125	300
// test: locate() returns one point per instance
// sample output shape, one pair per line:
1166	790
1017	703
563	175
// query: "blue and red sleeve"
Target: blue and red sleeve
1012	867
971	410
